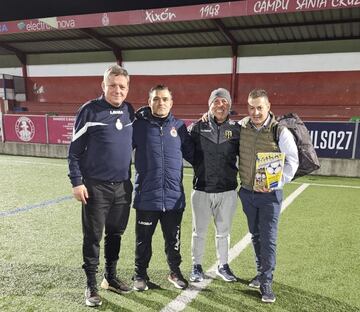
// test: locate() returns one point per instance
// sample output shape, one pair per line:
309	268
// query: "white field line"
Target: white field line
313	184
185	174
11	161
188	295
330	185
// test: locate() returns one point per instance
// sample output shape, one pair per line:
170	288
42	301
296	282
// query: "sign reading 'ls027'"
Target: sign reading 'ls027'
332	139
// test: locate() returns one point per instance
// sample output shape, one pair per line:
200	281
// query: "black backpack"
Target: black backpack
308	160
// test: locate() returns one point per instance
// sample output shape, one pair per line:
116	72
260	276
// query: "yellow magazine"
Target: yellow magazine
269	168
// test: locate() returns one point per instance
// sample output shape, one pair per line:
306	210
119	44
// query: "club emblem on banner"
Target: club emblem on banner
25	129
105	20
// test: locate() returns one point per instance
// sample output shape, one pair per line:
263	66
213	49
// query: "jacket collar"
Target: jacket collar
144	113
247	123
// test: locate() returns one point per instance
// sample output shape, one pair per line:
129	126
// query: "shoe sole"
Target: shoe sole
268	300
105	285
176	285
139	289
91	304
196	280
224	278
254	286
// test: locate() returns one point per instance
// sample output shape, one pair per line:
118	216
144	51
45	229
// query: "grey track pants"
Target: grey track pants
222	207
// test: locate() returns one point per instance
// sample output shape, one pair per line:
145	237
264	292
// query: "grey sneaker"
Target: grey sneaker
225	273
140	284
178	280
197	274
255	282
115	285
92	298
267	294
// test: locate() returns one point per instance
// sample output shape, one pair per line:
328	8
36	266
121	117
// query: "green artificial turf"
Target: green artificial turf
40	249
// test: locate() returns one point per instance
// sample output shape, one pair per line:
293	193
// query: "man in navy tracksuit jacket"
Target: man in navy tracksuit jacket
160	142
99	164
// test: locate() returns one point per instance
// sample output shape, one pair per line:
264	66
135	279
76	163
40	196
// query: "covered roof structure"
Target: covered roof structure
226	29
228	24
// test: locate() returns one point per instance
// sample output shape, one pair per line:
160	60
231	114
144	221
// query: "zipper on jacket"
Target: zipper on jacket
253	159
162	159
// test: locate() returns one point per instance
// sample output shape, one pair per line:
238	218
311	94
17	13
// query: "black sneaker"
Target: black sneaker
255	282
178	280
267	294
140	284
92	298
115	285
225	273
197	274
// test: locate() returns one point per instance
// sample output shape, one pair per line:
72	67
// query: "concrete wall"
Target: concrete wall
329	166
30	149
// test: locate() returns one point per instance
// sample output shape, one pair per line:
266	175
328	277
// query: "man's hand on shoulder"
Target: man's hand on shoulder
204	117
80	193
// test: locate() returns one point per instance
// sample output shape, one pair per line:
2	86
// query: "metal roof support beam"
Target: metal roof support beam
233	89
118	55
234	45
22	57
19	54
114	47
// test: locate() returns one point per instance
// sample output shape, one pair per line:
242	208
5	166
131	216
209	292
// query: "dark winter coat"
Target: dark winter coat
160	146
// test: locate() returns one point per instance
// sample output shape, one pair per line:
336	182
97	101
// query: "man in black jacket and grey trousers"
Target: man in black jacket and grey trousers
216	149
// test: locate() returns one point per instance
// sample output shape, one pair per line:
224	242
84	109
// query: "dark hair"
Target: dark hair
159	87
256	93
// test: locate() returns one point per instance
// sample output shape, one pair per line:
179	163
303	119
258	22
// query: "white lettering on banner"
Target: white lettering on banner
310	4
3	28
270	6
210	10
164	16
61	24
332	140
344	3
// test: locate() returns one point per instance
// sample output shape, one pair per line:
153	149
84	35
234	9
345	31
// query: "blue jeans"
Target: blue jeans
262	211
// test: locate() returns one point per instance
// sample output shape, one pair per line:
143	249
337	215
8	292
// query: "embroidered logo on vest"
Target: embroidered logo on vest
173	132
228	134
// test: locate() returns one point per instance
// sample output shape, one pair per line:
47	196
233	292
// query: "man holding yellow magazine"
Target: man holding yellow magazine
262	202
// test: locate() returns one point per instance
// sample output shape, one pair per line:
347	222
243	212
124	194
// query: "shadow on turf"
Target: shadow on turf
227	296
52	283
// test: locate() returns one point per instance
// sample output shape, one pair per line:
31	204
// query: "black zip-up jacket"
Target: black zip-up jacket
216	151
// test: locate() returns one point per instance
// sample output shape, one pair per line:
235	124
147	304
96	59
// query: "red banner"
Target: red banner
60	129
173	14
285	6
25	129
1	128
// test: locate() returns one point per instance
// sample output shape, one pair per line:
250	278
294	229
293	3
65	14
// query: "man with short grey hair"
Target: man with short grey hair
214	195
99	164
